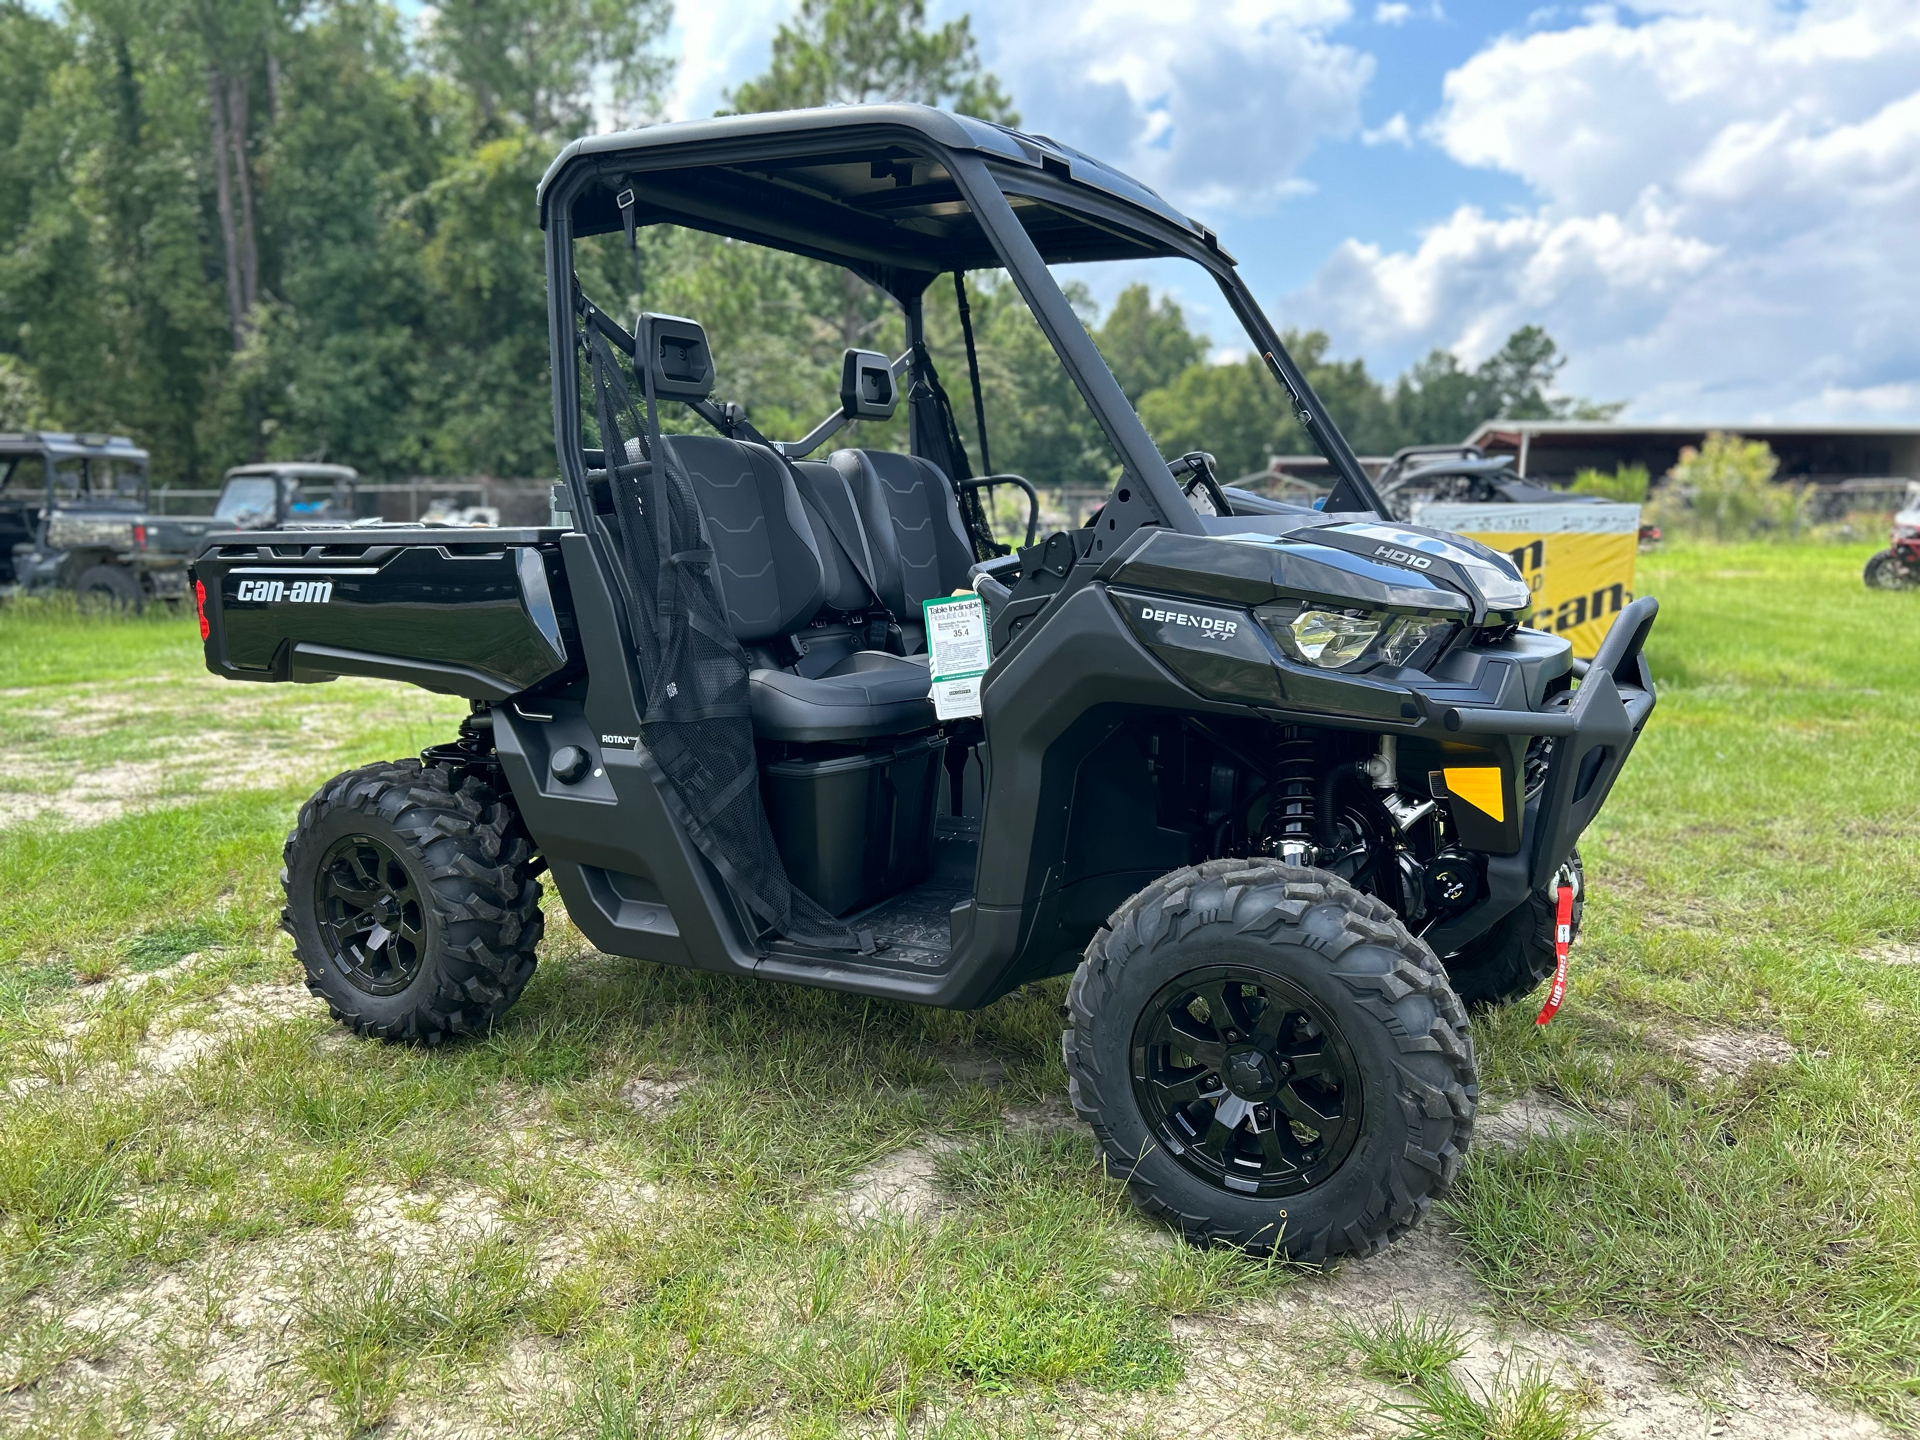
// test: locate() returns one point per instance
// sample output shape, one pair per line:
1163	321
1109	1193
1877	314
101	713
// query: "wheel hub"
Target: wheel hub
370	914
1247	1081
1250	1075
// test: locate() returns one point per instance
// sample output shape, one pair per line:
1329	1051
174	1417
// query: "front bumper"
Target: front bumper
1593	730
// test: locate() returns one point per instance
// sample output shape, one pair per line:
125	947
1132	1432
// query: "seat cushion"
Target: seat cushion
913	521
765	557
869	694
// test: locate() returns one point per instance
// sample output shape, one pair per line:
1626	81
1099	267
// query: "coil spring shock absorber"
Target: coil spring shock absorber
1288	832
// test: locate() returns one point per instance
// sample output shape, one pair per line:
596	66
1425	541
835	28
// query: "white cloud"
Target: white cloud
1393	13
1727	204
717	45
1394	132
1213	102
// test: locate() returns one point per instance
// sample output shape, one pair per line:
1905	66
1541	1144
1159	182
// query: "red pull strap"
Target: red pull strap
1562	939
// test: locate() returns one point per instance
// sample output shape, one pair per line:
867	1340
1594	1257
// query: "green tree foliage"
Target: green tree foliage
1628	483
1725	490
850	52
532	65
1439	400
239	229
20	400
234	228
1147	344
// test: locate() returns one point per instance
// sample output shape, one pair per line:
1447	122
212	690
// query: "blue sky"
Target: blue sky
1714	205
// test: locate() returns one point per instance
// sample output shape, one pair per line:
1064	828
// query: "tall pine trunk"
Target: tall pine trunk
237	128
223	197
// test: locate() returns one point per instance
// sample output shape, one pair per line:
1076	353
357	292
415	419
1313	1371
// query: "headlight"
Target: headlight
1329	638
1408	638
1343	638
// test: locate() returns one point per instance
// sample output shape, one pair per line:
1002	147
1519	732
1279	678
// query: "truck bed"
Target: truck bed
480	613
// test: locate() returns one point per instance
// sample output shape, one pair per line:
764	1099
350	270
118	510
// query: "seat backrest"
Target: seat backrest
765	558
912	520
830	506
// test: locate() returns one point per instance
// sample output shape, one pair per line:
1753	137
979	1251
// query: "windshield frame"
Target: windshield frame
128	481
984	177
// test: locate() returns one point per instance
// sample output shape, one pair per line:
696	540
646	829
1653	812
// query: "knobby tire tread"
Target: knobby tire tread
1264	896
462	833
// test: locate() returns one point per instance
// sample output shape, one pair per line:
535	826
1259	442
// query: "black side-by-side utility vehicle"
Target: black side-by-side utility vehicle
1279	786
74	515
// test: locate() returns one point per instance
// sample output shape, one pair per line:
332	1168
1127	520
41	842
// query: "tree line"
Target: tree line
247	229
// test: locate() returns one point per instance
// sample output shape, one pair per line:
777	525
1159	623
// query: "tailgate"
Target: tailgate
480	614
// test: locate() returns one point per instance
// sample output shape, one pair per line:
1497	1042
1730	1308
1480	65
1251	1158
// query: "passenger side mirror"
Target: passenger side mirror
867	389
676	349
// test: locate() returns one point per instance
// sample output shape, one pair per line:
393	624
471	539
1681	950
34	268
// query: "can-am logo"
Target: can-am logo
1215	629
1403	557
299	592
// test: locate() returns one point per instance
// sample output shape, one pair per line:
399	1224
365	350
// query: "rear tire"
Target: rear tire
108	589
1299	954
411	901
1513	957
1887	571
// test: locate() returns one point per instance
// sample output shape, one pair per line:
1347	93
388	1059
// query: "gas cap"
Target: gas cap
570	762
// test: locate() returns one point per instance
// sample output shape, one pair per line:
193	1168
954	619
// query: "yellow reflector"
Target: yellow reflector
1480	787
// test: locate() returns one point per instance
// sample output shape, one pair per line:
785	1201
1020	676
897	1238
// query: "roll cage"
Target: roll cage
902	194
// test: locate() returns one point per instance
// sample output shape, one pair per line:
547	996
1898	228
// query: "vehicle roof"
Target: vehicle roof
64	444
818	182
295	470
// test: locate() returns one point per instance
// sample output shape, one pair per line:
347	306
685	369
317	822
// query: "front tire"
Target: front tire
1887	571
411	901
1269	1059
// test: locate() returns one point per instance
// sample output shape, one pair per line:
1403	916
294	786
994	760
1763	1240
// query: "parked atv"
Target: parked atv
1278	786
1898	566
74	516
275	494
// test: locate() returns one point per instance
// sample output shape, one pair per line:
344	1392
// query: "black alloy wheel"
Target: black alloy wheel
370	915
1268	1059
1247	1081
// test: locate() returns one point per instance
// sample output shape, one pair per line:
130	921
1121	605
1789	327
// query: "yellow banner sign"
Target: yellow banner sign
1577	559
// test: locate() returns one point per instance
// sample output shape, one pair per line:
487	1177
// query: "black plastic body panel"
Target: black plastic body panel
632	881
484	614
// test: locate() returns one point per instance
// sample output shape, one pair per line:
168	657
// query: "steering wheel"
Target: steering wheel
1201	464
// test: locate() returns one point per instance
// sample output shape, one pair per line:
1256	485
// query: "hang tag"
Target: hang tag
958	651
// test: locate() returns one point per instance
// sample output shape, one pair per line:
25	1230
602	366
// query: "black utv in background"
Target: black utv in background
74	516
1279	787
275	494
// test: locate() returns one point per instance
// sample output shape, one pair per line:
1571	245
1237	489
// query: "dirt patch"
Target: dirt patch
410	1224
983	1070
1510	1124
1901	955
221	1326
1049	1116
1426	1274
234	1013
168	755
1729	1054
899	1186
652	1098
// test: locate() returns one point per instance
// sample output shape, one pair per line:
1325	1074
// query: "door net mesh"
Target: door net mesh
696	729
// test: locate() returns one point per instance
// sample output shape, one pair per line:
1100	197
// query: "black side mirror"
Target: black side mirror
676	350
867	389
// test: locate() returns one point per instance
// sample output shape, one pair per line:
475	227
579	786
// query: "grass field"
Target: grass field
657	1203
